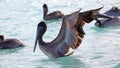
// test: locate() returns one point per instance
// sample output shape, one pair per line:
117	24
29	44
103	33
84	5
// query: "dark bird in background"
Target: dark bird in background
9	43
51	16
70	35
114	12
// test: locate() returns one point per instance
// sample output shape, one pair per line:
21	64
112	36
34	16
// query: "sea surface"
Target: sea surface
100	47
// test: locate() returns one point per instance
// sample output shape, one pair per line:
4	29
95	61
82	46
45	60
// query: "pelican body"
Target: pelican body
70	35
9	43
51	16
114	12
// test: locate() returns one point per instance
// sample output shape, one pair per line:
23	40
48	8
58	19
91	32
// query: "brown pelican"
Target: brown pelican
69	37
9	43
51	16
114	12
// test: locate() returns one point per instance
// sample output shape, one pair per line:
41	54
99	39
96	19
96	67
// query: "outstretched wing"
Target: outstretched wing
71	39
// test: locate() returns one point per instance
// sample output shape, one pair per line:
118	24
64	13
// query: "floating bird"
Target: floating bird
9	43
108	22
114	12
69	37
51	16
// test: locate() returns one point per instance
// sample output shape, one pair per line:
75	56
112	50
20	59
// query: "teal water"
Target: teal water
19	18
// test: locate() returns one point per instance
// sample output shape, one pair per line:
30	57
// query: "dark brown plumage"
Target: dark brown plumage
51	16
9	43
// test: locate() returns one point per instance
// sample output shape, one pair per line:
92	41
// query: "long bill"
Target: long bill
36	41
35	45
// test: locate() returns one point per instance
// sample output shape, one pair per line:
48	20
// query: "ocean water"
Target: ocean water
19	18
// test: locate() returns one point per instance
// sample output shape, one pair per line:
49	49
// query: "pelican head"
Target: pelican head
1	37
115	8
45	7
98	23
45	10
41	29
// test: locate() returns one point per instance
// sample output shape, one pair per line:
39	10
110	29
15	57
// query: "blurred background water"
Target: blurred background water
19	18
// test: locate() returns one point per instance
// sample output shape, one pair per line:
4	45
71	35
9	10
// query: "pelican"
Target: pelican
69	37
51	16
114	11
108	22
9	43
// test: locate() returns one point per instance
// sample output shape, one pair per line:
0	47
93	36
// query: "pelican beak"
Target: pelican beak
103	16
36	40
35	45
